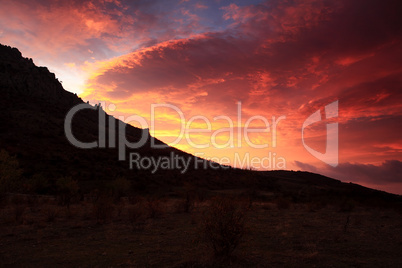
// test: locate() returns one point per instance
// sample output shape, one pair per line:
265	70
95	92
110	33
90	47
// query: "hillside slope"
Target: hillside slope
33	107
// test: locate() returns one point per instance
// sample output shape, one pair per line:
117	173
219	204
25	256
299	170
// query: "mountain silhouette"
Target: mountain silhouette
33	107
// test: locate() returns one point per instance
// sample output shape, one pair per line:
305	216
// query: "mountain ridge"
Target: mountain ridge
33	106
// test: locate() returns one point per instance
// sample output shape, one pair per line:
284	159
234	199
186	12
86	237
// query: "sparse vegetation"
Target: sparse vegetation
185	204
10	173
291	238
224	225
154	208
51	213
39	184
103	208
283	203
347	205
38	159
121	187
18	211
135	213
67	188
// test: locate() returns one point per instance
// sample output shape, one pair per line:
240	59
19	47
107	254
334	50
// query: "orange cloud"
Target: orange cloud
278	58
287	69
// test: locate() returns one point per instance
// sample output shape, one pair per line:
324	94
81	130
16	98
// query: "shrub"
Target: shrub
39	184
316	204
119	206
134	199
224	225
18	211
283	203
347	205
201	195
67	188
51	213
135	213
154	208
186	204
103	208
121	187
10	173
33	202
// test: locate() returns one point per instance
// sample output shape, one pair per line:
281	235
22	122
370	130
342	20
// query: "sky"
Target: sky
234	81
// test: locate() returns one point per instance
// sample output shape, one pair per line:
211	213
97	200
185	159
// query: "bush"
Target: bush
154	208
51	213
135	213
224	225
186	204
18	211
10	173
103	208
67	188
134	199
283	203
39	184
316	204
121	187
347	205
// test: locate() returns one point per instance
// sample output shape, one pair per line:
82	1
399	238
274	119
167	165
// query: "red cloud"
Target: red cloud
278	58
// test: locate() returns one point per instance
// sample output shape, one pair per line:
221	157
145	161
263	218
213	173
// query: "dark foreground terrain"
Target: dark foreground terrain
171	232
65	206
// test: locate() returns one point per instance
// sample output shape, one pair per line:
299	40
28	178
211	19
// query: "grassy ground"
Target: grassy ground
149	233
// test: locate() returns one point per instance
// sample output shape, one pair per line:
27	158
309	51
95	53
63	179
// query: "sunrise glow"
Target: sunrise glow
233	66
